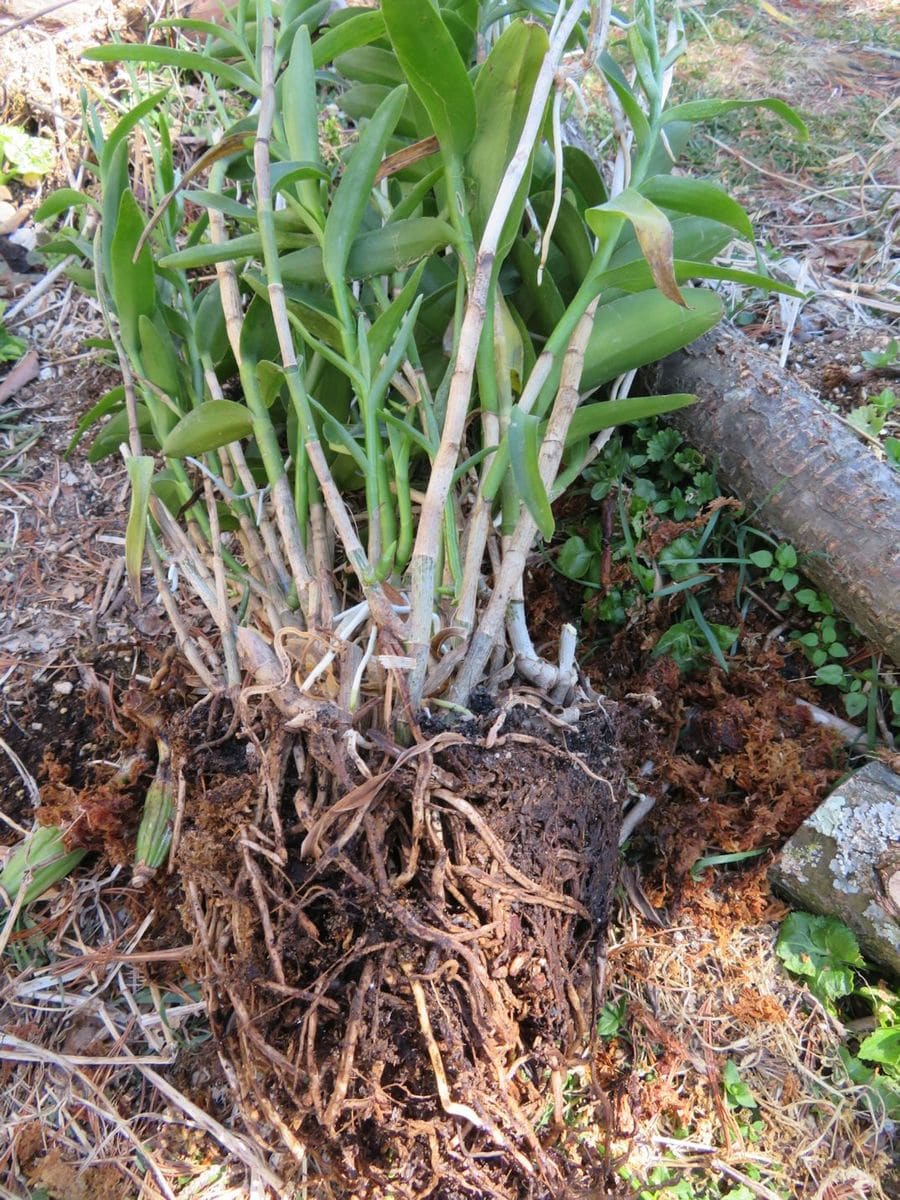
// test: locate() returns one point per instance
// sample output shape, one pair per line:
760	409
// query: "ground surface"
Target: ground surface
111	1081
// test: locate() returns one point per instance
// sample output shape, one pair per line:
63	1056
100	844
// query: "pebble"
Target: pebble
63	687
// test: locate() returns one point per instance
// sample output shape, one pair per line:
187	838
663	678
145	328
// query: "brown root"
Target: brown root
401	971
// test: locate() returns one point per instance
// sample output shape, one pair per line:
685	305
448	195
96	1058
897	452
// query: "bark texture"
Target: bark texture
801	472
844	862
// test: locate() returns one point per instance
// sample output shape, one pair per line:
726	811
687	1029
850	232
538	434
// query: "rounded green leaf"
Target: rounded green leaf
215	423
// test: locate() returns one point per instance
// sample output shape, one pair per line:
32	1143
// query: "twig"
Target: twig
42	12
43	285
23	372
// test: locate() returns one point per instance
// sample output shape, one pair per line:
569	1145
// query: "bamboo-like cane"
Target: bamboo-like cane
515	553
441	480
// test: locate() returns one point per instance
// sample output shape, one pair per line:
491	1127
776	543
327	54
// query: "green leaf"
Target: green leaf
575	558
737	1094
524	452
132	284
42	860
11	347
882	1045
855	703
435	71
237	249
182	60
652	229
762	558
581	173
215	423
822	950
381	252
832	674
612	1018
300	115
370	64
590	419
721	860
382	332
61	201
352	195
635	330
503	90
115	432
707	110
699	198
629	101
363	27
159	357
209	325
140	472
25	156
123	127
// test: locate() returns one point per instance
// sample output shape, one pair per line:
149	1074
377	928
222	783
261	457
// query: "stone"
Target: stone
844	862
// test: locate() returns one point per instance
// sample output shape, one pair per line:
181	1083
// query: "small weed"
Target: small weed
23	156
11	347
651	482
612	1018
825	954
874	359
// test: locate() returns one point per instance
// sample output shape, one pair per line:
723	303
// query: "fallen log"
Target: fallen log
801	473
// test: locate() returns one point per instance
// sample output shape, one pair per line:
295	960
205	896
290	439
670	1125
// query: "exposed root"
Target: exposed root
399	969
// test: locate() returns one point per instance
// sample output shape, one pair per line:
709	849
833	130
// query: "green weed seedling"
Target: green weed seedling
11	347
823	952
23	156
882	358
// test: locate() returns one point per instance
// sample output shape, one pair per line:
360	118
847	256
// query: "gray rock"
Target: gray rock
844	862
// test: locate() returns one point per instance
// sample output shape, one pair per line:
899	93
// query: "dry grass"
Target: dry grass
701	996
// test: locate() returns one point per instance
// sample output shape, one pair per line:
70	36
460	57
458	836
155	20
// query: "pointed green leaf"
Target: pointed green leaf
435	71
524	452
352	195
580	171
300	114
38	862
592	418
123	127
105	405
60	201
502	97
363	27
215	423
636	277
115	432
652	229
159	357
140	472
209	325
697	197
707	110
635	330
636	116
238	249
133	284
166	56
370	64
381	335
